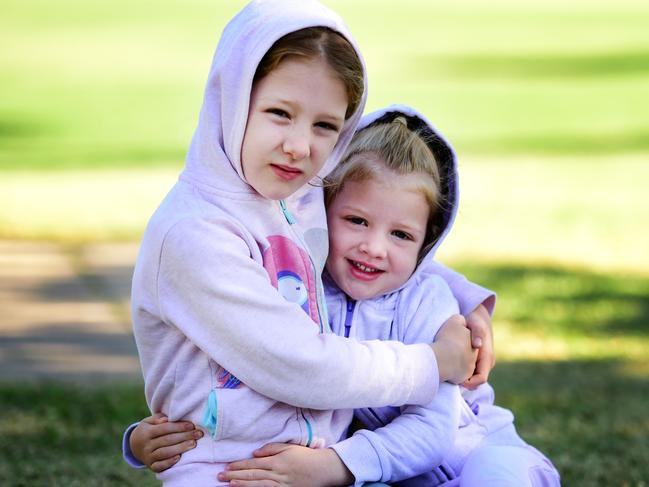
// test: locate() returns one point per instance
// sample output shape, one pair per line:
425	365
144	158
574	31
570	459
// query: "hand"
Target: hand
482	338
159	443
286	465
456	358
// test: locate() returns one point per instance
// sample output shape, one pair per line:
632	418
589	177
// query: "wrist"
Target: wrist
440	357
337	471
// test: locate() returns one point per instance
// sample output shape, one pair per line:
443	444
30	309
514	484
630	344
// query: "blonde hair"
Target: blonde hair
323	43
394	146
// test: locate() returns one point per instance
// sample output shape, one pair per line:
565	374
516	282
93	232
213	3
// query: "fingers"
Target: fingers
251	464
477	334
270	449
174	439
157	418
163	465
456	320
474	381
481	374
478	330
250	477
171	427
173	450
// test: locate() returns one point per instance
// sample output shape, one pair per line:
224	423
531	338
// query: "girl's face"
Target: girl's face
296	114
376	230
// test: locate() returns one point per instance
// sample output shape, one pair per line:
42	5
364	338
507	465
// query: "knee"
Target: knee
508	466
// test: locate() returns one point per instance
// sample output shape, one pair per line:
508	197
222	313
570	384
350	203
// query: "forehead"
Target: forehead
295	76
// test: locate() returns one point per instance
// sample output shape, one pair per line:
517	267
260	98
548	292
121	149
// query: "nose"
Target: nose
297	143
374	246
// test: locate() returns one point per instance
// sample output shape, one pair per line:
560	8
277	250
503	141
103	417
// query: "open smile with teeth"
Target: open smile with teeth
363	267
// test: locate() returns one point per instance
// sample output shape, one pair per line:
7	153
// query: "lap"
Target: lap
504	466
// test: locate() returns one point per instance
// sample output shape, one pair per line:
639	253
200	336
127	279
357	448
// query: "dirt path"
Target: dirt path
64	312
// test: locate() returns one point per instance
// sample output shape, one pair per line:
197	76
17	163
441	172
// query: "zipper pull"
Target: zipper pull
351	304
210	417
287	214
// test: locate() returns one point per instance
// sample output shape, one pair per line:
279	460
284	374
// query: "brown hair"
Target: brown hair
393	146
323	43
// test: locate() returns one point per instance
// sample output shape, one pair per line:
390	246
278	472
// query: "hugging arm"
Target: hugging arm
221	306
414	442
399	443
477	304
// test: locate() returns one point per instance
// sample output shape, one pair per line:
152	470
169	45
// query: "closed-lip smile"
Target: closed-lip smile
286	172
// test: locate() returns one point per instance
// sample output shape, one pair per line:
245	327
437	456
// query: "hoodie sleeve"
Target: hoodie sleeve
468	294
127	454
226	306
412	443
417	440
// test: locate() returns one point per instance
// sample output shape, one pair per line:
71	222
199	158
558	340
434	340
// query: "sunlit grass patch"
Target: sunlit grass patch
88	87
81	206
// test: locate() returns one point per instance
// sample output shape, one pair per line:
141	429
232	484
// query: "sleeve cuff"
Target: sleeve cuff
427	367
360	457
474	297
127	454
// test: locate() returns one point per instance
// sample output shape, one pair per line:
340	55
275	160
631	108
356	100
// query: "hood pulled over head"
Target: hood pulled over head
447	164
214	157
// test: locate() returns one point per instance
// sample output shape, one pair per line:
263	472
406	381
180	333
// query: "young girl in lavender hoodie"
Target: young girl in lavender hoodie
228	305
390	203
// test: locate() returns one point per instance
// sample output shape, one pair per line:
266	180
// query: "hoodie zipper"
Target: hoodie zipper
349	316
290	219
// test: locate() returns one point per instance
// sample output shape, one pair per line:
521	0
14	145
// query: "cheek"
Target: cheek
324	150
407	261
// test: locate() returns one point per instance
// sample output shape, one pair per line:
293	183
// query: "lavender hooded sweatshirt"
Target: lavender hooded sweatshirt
427	445
227	302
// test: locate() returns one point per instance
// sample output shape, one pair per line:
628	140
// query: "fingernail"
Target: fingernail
189	426
191	443
198	434
477	342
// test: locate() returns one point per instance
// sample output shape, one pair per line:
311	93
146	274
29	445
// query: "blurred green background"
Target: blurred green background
546	102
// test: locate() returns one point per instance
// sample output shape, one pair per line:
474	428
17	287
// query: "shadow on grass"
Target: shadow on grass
567	301
589	417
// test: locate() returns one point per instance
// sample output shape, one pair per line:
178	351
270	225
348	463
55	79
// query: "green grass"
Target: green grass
582	403
93	85
65	435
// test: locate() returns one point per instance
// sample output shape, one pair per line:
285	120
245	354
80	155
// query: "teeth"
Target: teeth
363	268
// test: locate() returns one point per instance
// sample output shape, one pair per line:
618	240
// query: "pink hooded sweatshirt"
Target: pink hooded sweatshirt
228	305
